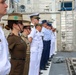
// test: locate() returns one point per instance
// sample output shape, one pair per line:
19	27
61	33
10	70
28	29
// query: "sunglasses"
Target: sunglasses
20	23
28	28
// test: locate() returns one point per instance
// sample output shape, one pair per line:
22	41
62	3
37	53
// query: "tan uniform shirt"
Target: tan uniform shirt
25	38
26	68
17	48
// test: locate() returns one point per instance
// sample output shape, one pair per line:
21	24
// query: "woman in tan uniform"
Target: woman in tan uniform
26	32
17	46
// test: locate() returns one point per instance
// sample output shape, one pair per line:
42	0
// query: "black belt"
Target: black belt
18	58
47	40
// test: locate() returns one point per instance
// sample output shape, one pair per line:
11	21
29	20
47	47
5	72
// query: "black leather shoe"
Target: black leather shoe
52	56
40	73
47	64
46	67
49	60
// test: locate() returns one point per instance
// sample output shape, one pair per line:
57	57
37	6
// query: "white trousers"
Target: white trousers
6	69
5	65
39	57
34	62
52	47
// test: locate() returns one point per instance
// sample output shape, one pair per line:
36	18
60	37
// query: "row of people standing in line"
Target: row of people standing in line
20	48
40	44
48	44
14	41
39	48
17	46
36	45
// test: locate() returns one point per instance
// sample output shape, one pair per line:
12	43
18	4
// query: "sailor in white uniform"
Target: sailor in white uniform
33	38
40	44
53	38
4	55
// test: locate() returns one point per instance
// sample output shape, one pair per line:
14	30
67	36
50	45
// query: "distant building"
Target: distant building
60	12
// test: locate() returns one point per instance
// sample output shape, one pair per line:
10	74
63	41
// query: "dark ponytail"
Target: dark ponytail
10	24
7	27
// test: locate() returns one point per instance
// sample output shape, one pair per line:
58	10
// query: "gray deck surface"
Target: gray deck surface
60	68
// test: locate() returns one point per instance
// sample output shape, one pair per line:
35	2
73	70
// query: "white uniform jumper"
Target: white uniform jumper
4	55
